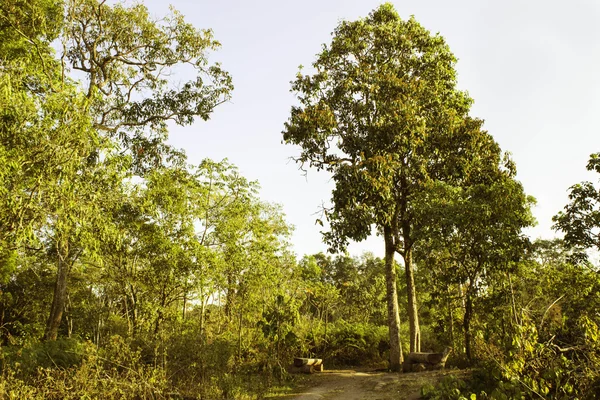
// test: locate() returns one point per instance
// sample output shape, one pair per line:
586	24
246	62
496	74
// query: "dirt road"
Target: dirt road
352	385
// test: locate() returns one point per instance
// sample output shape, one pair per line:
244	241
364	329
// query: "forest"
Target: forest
127	272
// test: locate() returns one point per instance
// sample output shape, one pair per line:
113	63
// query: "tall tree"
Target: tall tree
46	140
57	130
41	130
382	114
77	222
128	60
580	220
475	233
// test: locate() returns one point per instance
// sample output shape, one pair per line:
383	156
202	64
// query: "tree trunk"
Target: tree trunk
404	219
160	314
229	295
202	307
451	315
98	329
126	304
68	317
134	310
413	312
326	320
467	323
240	330
396	358
58	300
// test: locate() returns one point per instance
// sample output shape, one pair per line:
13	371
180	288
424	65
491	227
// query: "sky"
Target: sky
532	68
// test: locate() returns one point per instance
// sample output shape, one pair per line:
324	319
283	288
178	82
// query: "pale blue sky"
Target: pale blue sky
531	66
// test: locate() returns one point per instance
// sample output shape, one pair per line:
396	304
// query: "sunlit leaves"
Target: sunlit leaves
580	220
382	114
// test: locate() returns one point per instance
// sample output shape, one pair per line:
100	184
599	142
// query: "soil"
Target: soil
357	385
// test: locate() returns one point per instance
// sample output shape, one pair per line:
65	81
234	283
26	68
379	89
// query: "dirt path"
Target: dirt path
352	385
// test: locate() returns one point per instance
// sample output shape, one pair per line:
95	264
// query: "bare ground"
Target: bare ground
354	385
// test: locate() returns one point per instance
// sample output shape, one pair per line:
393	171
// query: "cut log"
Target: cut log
298	362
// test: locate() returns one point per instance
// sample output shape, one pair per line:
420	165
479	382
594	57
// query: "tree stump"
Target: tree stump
417	362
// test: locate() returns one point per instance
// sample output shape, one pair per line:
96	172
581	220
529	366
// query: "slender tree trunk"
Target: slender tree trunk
396	358
451	315
68	317
157	322
240	330
326	320
220	314
58	300
160	313
202	307
98	329
134	310
512	302
2	314
229	296
126	304
404	220
467	323
413	312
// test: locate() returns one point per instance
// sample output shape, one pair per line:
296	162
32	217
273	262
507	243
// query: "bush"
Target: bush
62	353
116	374
531	369
355	344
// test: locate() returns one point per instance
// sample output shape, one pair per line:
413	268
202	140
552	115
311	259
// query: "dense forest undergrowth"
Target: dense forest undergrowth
126	272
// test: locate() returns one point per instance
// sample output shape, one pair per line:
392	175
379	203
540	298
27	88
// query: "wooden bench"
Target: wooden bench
416	362
307	365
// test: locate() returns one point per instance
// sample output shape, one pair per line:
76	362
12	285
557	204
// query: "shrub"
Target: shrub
62	353
114	373
356	344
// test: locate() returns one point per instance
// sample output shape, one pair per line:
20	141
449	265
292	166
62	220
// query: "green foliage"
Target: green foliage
342	314
169	280
536	369
356	344
580	220
383	115
8	265
473	234
95	376
449	388
129	60
63	353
